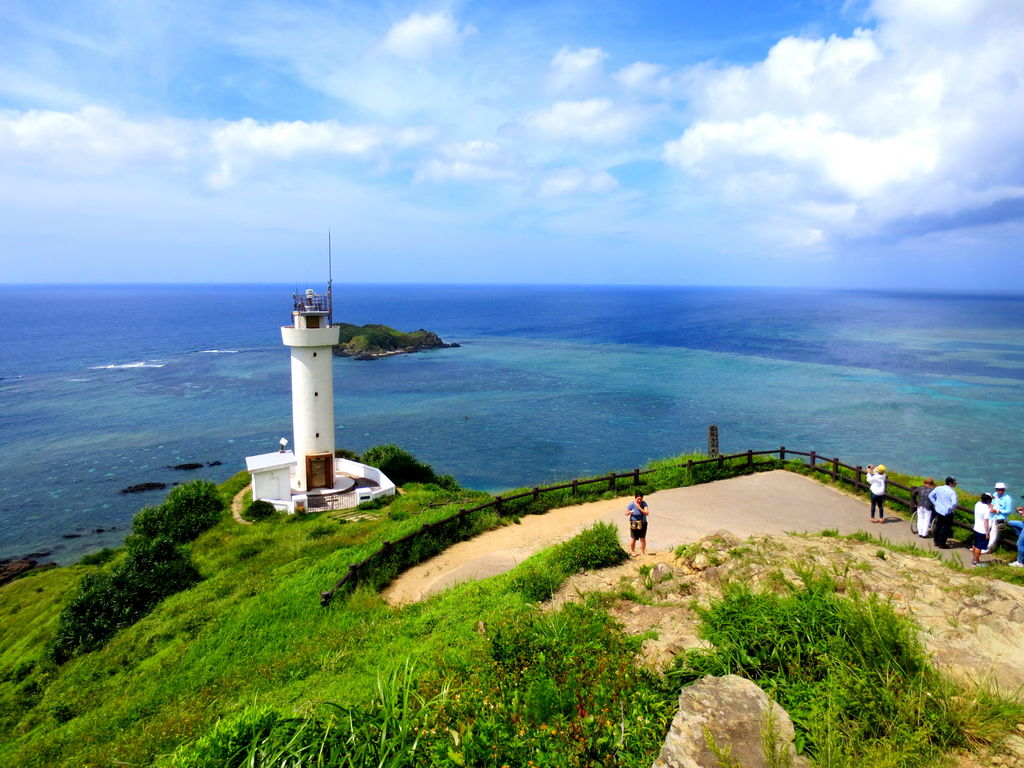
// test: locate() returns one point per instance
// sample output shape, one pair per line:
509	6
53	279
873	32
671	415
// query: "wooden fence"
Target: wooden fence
623	481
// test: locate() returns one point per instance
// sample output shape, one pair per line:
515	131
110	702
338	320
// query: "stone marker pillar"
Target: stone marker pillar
713	442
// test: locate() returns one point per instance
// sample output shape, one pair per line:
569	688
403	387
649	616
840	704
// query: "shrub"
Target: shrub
190	509
535	582
98	558
107	601
259	510
230	742
398	464
595	547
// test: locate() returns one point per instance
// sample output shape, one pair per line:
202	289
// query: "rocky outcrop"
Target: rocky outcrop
13	569
728	721
369	342
142	487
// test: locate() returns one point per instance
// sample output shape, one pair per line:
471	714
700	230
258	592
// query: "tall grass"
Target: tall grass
851	673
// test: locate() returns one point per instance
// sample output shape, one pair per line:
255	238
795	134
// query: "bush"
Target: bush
107	601
259	510
190	509
98	558
535	582
595	547
399	465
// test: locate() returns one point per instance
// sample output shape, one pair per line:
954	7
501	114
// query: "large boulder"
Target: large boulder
725	721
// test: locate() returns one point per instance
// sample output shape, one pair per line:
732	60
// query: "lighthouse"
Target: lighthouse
309	477
311	338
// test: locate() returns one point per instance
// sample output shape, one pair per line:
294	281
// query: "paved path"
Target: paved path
776	502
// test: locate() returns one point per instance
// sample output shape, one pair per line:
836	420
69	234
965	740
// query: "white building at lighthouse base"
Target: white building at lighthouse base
274	480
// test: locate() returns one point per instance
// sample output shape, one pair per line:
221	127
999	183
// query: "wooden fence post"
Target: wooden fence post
750	458
812	458
835	468
860	473
636	476
575	486
497	505
712	441
782	453
536	493
611	481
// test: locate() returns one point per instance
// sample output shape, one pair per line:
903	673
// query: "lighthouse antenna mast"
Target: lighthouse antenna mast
330	279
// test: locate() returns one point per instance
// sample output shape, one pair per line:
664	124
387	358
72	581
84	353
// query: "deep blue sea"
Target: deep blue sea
102	387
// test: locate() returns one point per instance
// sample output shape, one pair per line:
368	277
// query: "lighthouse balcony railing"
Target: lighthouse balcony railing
307	303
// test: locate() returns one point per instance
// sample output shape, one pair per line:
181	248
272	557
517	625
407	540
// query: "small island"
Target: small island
368	342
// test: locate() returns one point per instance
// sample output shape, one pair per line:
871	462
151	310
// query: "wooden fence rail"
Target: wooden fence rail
816	462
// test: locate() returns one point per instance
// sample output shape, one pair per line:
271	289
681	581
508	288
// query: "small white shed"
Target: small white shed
271	477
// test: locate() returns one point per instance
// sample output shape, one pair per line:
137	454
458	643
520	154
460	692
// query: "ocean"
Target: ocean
103	387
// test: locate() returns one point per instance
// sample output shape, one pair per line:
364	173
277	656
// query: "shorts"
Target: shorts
980	540
641	534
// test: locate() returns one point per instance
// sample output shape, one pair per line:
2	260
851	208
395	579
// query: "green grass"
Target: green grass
250	644
851	673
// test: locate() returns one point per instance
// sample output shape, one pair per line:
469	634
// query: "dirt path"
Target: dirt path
236	506
775	502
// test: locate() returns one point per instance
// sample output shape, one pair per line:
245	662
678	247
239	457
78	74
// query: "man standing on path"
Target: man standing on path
944	499
637	512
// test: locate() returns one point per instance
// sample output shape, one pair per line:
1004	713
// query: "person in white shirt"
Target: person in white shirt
982	523
944	500
876	480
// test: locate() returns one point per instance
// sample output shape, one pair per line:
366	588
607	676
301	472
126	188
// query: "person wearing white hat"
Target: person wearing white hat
876	479
1002	505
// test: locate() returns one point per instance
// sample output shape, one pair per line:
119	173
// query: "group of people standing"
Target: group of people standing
937	504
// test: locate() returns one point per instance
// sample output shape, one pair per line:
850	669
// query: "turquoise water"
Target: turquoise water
105	387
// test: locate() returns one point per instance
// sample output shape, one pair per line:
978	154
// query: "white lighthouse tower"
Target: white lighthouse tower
311	338
310	477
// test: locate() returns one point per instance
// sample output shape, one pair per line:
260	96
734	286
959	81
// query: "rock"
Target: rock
660	571
188	466
12	569
732	716
71	536
140	487
214	463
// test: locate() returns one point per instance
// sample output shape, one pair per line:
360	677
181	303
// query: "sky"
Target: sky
867	144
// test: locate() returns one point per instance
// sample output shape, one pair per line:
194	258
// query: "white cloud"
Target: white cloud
569	181
90	138
98	141
576	69
644	77
916	120
420	36
473	161
598	121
